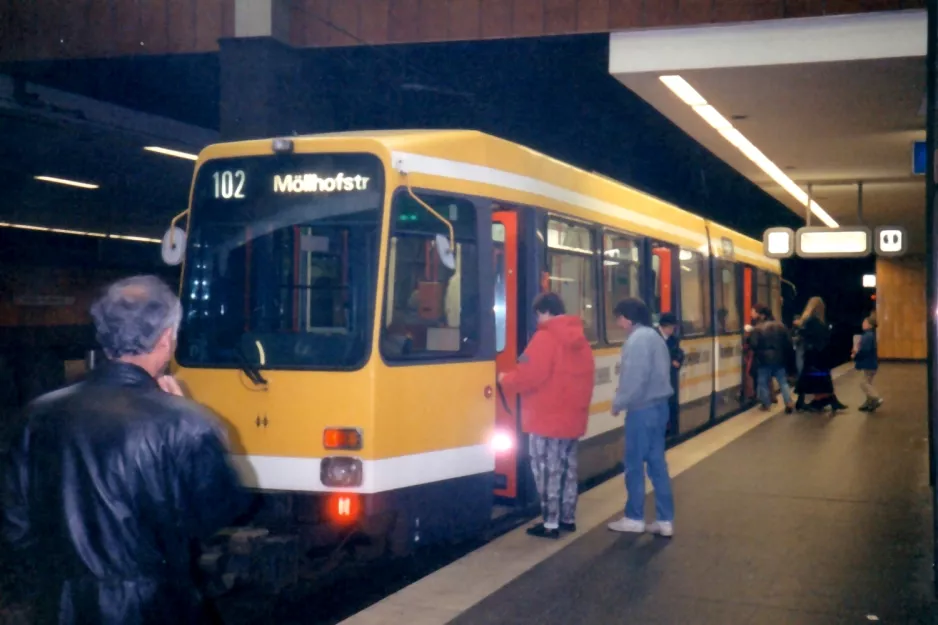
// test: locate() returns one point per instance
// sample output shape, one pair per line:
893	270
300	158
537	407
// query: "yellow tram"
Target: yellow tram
349	299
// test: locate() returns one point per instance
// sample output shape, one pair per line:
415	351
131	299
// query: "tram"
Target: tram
350	299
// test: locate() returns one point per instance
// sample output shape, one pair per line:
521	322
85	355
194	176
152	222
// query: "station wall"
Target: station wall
901	309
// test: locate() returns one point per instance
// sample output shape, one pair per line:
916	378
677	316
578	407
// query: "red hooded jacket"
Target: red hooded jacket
555	379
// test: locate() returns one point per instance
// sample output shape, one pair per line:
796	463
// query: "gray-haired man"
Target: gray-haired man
111	481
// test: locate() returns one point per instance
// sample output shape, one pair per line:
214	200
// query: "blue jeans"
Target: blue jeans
763	374
644	444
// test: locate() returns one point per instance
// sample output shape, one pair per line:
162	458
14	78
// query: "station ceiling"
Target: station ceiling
90	120
830	101
51	138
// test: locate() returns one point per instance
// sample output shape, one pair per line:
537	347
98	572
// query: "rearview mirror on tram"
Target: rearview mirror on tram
447	255
173	246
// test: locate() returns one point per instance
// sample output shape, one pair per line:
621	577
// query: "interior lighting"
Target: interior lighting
869	281
65	181
168	152
502	442
100	235
682	89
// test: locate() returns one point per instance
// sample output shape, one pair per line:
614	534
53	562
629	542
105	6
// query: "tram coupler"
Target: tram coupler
252	557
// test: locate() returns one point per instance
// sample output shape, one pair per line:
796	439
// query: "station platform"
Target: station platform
802	519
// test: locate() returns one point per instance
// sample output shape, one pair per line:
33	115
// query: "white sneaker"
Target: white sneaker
664	528
626	524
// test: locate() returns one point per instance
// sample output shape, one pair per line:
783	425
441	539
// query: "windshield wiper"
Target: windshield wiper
253	373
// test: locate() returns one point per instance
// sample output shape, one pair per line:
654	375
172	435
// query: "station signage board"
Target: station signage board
846	242
779	242
919	158
822	242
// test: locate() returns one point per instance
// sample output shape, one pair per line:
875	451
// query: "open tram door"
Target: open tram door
508	439
665	264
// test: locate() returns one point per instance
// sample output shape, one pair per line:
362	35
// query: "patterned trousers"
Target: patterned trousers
554	463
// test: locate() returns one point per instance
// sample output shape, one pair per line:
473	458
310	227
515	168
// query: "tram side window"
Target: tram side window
571	270
431	311
695	294
775	287
726	292
501	289
621	277
763	291
661	269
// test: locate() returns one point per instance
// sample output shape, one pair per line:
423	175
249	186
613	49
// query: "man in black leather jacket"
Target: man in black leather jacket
110	483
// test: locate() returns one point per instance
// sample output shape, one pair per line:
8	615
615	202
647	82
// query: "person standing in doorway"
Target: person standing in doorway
771	344
643	393
554	377
667	325
866	362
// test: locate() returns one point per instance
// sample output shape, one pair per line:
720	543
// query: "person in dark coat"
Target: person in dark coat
770	343
110	483
667	326
815	378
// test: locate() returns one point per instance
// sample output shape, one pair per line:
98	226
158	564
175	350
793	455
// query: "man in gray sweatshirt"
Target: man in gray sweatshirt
644	389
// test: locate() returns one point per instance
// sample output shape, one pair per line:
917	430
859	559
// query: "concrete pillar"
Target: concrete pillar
931	277
267	87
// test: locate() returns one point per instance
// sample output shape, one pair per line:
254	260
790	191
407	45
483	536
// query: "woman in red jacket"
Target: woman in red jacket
554	377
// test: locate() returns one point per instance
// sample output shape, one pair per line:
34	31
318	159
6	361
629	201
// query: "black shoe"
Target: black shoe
542	532
567	527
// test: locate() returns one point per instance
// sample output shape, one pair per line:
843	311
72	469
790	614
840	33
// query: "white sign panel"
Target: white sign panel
833	242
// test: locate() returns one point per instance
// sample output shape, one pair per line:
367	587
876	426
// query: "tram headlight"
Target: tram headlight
340	472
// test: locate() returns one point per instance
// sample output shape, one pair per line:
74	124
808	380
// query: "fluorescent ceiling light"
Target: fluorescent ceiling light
682	89
71	183
100	235
869	281
168	152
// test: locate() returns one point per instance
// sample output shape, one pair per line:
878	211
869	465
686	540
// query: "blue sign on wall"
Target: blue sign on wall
919	156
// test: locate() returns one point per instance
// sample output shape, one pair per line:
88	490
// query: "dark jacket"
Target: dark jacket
771	343
867	358
816	337
555	377
674	350
108	486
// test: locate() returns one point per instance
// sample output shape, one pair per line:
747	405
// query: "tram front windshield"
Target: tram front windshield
281	262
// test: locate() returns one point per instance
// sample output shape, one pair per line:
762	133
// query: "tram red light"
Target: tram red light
341	438
344	507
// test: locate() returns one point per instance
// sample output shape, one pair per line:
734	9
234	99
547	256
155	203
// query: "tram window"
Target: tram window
695	294
726	292
775	287
763	290
501	319
431	311
570	268
621	277
661	268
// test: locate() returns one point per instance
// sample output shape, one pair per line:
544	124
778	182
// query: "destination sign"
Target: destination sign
251	179
314	183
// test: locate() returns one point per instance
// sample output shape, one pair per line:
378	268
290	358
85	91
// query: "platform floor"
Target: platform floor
798	519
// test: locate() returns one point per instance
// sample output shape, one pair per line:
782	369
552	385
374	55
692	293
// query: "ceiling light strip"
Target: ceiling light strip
682	89
67	182
100	235
168	152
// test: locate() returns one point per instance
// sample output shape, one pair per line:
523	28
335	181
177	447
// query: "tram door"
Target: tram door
748	382
508	439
